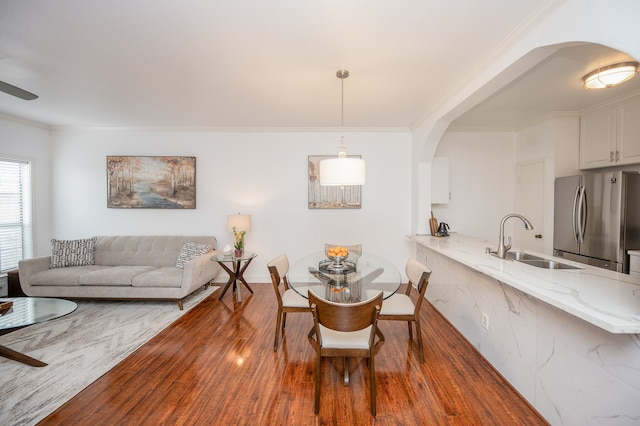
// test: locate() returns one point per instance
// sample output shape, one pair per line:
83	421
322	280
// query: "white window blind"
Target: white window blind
15	212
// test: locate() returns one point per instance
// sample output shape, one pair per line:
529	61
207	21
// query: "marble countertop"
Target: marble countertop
607	299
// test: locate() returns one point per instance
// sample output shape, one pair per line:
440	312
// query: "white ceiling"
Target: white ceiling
552	86
250	63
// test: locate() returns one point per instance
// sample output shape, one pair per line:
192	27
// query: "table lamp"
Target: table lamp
242	222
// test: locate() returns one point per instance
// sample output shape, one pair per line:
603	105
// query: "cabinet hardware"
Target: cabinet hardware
538	236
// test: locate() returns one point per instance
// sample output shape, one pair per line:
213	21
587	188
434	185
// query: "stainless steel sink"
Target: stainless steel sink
538	262
520	256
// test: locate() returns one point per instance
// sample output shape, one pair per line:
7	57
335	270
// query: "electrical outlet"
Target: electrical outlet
485	321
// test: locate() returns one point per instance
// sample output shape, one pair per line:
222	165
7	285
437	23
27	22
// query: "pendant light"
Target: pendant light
610	76
342	170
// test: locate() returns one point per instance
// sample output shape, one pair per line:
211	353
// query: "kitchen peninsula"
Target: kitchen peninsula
568	340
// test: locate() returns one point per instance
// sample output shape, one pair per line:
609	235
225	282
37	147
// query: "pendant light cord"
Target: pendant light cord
342	105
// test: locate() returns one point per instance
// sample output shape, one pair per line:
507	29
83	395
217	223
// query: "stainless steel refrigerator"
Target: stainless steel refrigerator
597	218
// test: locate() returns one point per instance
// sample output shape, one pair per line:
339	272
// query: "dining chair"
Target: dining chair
345	330
289	300
354	248
399	307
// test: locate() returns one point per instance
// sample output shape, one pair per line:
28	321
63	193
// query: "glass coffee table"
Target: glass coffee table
27	311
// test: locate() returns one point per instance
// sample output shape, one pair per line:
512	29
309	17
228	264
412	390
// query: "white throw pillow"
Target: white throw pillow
190	250
72	252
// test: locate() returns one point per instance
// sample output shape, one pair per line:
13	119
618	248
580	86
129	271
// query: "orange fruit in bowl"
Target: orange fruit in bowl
337	251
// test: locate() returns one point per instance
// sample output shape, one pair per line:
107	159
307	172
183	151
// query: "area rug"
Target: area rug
79	348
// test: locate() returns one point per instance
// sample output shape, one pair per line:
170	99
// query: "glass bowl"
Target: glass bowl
338	260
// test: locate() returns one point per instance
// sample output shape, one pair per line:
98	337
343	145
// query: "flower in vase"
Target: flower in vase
239	244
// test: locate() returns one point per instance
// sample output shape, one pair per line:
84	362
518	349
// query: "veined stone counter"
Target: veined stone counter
567	340
607	299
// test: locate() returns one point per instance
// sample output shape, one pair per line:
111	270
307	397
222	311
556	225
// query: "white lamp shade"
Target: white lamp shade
342	171
242	222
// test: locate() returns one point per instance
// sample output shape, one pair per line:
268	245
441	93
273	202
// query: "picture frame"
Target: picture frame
151	182
330	197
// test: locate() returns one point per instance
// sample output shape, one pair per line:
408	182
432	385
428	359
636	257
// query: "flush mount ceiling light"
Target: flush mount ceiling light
610	76
342	170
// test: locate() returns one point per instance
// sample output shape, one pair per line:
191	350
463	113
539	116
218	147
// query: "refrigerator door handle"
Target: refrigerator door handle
574	214
582	214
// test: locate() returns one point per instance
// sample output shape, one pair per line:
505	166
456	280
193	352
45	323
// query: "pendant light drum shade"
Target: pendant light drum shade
342	171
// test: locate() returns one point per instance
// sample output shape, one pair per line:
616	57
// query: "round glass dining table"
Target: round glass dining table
358	278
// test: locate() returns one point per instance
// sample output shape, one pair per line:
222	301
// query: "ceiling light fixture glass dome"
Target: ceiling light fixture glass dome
610	76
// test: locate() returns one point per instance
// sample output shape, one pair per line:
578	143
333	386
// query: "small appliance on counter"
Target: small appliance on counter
443	230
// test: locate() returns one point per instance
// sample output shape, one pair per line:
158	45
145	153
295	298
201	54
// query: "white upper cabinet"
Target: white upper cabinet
610	136
629	132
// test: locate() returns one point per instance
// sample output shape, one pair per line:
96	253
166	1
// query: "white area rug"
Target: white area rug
79	348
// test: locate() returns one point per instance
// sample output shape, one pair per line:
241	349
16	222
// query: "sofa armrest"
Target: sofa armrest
28	267
199	271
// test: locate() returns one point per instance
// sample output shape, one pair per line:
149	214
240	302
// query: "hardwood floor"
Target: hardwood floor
216	365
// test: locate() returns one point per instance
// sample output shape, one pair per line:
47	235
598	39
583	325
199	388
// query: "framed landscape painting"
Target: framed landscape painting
330	197
156	182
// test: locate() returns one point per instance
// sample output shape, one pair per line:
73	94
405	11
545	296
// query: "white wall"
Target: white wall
259	173
481	180
20	139
554	140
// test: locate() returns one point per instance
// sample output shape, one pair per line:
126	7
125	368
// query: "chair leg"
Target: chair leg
372	385
419	332
284	320
410	330
275	342
346	371
316	404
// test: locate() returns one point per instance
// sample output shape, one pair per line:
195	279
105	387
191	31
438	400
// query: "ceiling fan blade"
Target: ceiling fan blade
16	91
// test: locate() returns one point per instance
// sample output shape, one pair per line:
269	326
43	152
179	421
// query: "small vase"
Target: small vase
238	252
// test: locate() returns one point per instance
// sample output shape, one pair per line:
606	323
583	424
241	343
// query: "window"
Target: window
15	212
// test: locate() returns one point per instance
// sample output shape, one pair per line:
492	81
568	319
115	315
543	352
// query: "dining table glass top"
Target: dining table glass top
356	279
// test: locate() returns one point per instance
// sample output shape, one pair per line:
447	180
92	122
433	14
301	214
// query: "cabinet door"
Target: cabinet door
629	132
598	138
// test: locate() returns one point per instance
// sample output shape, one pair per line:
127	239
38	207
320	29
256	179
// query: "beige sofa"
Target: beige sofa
122	267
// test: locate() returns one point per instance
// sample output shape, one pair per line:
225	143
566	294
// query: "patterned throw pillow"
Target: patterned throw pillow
190	250
72	252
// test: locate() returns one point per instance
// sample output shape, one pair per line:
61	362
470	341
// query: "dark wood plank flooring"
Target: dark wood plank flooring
216	365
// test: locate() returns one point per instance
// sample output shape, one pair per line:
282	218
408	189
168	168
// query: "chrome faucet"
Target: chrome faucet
502	247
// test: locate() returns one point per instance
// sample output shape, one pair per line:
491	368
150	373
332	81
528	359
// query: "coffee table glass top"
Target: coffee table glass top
32	310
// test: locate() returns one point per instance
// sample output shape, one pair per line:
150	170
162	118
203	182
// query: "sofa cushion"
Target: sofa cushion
72	252
116	275
62	276
156	250
169	276
190	250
